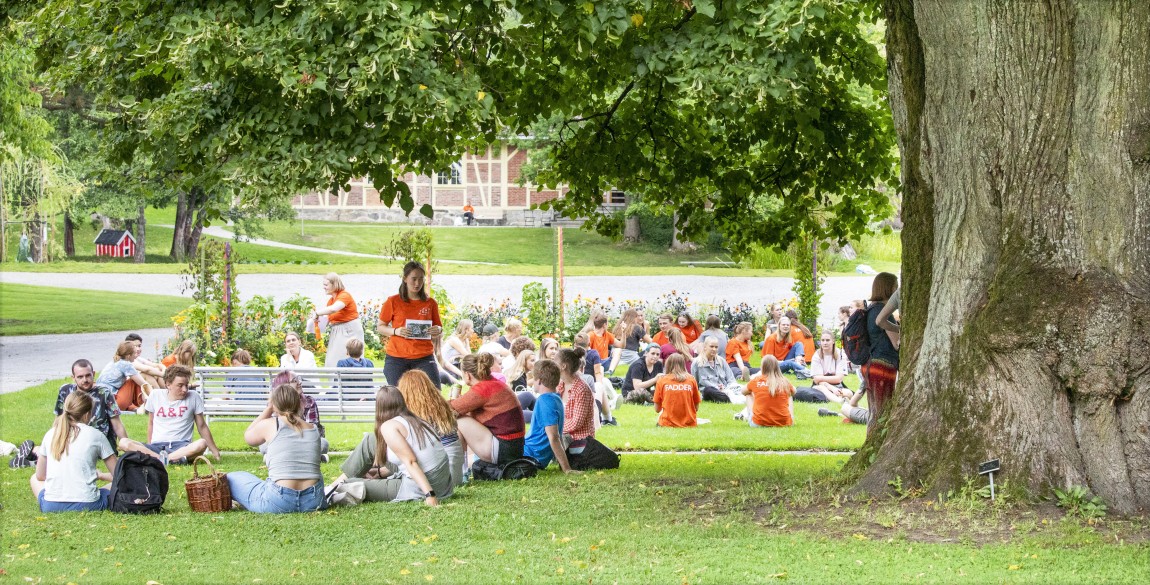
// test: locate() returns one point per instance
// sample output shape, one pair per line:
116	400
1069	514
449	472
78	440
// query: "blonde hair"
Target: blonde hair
790	332
65	429
521	368
627	323
743	327
464	325
425	401
769	370
286	401
242	356
186	353
335	280
676	367
354	348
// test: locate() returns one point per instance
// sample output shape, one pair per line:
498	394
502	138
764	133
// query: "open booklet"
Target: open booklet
418	328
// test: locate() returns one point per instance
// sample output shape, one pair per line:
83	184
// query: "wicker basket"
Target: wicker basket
209	493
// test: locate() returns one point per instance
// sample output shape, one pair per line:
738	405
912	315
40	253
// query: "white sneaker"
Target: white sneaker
740	415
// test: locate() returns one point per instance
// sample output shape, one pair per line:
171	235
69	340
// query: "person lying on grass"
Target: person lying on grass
295	482
425	401
771	405
490	418
402	461
66	475
545	441
677	395
171	413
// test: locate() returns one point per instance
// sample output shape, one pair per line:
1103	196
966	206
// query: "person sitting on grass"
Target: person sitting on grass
184	355
247	386
771	393
676	343
295	482
105	414
787	350
632	330
521	378
677	395
457	345
520	345
605	395
578	400
66	474
665	322
309	409
491	344
125	382
716	382
171	414
402	461
545	441
828	369
490	418
739	352
425	401
295	355
638	385
802	335
152	372
851	411
512	330
690	329
605	343
715	329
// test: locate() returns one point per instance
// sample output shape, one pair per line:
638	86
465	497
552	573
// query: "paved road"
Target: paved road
29	360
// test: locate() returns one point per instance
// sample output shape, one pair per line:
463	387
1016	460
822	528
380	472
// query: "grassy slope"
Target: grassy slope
31	310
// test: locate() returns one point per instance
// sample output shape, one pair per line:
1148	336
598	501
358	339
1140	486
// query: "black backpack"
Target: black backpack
521	468
139	484
595	455
856	340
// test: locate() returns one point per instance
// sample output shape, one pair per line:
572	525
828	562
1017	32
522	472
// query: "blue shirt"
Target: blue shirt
548	411
361	362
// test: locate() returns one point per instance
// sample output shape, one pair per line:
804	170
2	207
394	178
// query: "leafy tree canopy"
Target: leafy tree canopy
700	106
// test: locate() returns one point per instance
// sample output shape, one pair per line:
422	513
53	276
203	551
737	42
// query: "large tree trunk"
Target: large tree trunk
632	233
69	235
191	211
179	230
1025	136
141	235
678	245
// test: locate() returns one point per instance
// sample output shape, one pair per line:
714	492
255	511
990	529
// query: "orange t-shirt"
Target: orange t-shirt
169	361
743	348
396	312
602	344
690	334
678	401
347	313
767	410
777	348
807	341
660	338
468	209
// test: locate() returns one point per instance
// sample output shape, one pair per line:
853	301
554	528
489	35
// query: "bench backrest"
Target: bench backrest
341	394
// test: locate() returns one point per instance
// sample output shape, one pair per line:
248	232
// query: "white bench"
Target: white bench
241	394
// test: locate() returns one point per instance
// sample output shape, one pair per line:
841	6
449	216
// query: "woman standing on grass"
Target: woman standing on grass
294	483
771	393
343	322
881	371
130	388
424	400
296	357
677	395
65	478
410	321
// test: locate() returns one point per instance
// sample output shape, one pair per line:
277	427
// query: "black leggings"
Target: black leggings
395	367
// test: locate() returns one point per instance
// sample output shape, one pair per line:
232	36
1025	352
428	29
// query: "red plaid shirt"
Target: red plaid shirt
579	407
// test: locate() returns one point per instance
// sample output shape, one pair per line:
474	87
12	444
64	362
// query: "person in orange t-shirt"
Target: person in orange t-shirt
343	322
739	352
771	405
602	341
410	346
690	328
785	348
665	321
677	395
802	335
468	212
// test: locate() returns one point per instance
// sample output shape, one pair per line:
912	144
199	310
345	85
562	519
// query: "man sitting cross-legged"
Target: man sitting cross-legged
171	413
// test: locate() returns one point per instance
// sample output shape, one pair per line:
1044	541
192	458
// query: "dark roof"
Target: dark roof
111	237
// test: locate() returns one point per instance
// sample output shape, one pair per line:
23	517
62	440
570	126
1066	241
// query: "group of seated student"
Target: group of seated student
595	377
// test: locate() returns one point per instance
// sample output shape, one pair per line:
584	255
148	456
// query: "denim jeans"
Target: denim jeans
791	364
266	497
101	503
396	367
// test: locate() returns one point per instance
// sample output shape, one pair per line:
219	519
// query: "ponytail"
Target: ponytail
64	430
286	401
478	365
570	358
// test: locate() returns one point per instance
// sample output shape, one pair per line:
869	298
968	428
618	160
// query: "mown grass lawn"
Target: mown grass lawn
661	518
36	310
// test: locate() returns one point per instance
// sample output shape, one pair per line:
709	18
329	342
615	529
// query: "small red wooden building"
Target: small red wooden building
115	243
